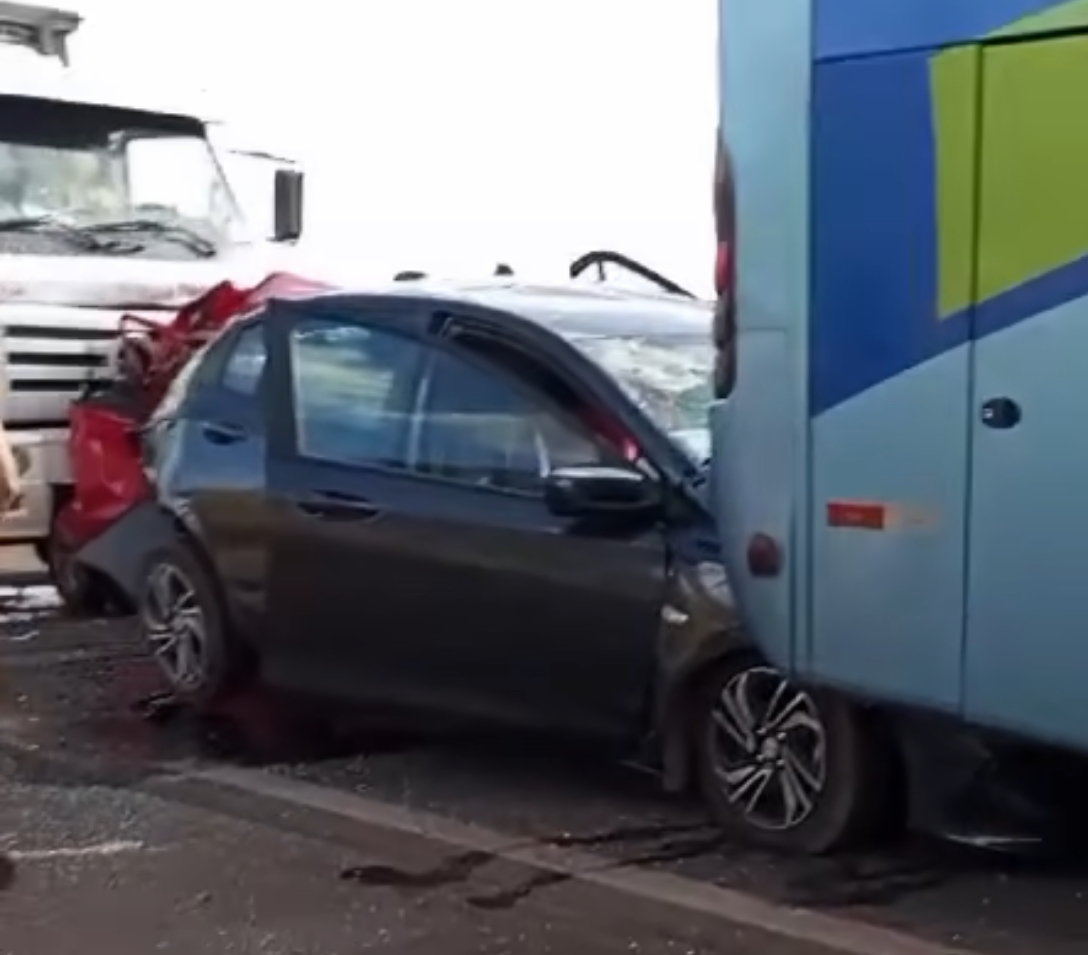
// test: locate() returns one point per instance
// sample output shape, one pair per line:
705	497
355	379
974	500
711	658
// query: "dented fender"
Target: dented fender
122	551
699	626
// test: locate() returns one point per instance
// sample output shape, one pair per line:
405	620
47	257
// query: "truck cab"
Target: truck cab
107	205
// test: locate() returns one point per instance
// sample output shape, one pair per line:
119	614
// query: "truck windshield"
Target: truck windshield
146	180
667	376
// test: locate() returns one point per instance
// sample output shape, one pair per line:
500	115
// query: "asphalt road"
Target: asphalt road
253	832
97	869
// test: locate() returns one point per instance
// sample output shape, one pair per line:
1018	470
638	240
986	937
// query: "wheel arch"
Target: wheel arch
674	710
227	662
120	553
188	533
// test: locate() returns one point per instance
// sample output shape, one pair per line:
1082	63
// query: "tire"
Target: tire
181	601
82	593
816	744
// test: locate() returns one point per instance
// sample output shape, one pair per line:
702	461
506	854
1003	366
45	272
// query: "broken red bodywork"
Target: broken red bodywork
108	478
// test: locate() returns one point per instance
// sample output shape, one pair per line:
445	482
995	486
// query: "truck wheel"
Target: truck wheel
787	767
81	592
183	619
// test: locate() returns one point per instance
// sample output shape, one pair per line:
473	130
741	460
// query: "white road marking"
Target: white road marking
113	848
20	606
34	596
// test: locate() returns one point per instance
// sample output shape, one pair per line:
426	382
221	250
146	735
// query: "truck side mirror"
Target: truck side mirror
288	200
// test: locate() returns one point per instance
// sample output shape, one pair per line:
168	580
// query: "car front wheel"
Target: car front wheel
783	765
183	621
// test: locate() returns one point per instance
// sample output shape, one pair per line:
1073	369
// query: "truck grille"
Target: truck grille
47	363
55	359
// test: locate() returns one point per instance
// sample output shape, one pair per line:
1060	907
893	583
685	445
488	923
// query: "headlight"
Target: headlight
714	580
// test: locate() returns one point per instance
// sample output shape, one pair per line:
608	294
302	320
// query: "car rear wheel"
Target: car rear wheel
184	622
783	765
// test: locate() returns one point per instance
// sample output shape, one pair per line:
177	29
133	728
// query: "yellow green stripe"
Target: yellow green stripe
1071	15
954	78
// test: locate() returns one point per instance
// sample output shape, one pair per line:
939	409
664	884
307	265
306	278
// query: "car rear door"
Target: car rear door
346	553
210	464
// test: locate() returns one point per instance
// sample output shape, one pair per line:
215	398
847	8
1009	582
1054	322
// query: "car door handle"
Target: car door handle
1001	413
220	432
337	506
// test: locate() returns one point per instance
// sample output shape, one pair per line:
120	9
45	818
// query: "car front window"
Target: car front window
668	377
479	429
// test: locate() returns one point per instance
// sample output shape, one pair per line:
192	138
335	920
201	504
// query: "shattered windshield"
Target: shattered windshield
149	183
668	377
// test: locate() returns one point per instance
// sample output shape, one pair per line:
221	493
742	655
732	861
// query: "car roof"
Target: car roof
571	310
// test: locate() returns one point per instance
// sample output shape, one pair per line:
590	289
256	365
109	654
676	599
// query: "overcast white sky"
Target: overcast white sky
450	134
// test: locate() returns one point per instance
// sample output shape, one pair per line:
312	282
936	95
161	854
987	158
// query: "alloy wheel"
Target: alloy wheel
769	749
175	627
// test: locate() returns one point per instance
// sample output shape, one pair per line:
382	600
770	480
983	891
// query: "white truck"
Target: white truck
107	206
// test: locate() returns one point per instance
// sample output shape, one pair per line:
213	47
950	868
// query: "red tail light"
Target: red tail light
764	556
723	269
614	433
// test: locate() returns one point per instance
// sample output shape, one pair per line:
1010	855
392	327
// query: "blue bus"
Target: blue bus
901	204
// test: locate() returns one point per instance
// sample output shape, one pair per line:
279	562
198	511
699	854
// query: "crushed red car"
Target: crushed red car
108	477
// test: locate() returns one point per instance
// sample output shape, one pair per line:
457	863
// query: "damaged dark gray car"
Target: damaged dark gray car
482	501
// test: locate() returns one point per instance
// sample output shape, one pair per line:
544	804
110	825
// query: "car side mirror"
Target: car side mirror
601	491
288	202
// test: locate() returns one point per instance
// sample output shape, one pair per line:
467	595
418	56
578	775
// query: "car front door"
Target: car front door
528	617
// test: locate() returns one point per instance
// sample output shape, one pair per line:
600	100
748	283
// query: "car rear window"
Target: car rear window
244	367
353	388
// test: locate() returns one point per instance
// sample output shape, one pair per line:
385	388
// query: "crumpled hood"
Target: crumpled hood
116	283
